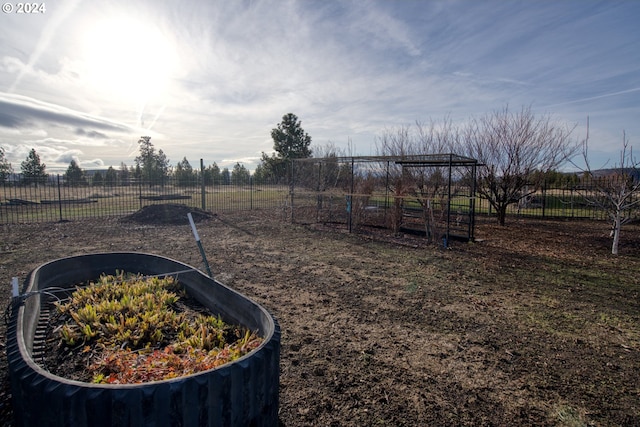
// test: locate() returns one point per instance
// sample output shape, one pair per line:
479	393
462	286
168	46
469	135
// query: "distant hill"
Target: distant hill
612	171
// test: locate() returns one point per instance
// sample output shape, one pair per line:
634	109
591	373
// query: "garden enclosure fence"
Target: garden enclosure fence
56	200
430	194
434	195
308	200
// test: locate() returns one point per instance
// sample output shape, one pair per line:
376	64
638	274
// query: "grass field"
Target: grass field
50	203
25	204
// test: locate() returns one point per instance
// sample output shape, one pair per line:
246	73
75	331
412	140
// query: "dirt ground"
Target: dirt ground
533	324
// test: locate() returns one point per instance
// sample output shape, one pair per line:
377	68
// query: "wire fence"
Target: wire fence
380	209
556	202
397	193
56	200
436	195
383	209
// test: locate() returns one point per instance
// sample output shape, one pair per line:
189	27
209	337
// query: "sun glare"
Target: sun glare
128	58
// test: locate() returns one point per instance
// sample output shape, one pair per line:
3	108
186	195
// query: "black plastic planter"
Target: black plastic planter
241	393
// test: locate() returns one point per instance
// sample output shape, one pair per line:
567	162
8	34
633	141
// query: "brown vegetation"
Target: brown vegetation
534	324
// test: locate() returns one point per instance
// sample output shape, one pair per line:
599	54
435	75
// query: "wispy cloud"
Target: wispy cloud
347	69
48	33
594	98
18	111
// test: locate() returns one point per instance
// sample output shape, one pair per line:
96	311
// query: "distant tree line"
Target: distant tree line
152	166
33	170
517	153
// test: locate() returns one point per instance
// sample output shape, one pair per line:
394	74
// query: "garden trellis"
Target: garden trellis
431	194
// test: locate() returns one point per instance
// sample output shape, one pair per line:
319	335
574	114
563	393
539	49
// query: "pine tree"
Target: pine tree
290	141
74	175
33	171
5	167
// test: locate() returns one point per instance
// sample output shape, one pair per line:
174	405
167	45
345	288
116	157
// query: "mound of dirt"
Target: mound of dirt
174	214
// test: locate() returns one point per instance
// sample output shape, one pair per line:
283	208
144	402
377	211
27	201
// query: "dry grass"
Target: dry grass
537	324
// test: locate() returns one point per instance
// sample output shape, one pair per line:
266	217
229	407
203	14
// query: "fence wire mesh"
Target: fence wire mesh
55	200
324	193
426	194
435	196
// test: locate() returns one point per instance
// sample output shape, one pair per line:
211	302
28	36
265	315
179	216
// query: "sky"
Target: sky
83	80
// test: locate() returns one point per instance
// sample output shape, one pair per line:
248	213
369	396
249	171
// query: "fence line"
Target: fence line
549	203
56	200
378	209
563	202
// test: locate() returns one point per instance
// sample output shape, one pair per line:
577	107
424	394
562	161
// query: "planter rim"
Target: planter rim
272	330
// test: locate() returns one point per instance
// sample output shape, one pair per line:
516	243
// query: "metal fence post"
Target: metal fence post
59	198
292	186
202	188
544	198
350	200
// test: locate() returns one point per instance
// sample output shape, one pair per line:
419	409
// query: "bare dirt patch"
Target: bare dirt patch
167	214
536	324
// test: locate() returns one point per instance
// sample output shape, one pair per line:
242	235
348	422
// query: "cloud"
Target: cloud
48	32
95	163
347	69
9	120
383	30
68	156
596	97
64	159
57	153
91	134
18	111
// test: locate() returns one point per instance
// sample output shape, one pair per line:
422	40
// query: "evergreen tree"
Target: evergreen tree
110	177
240	175
260	174
136	172
225	177
290	141
184	173
212	175
163	166
98	180
5	167
124	174
154	167
33	171
74	175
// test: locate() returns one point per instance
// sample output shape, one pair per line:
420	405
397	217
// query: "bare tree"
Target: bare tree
425	185
430	185
511	147
398	143
328	173
617	191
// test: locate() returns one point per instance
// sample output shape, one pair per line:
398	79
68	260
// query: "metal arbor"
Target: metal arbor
430	194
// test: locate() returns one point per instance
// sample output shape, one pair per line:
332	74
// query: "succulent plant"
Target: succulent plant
142	334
